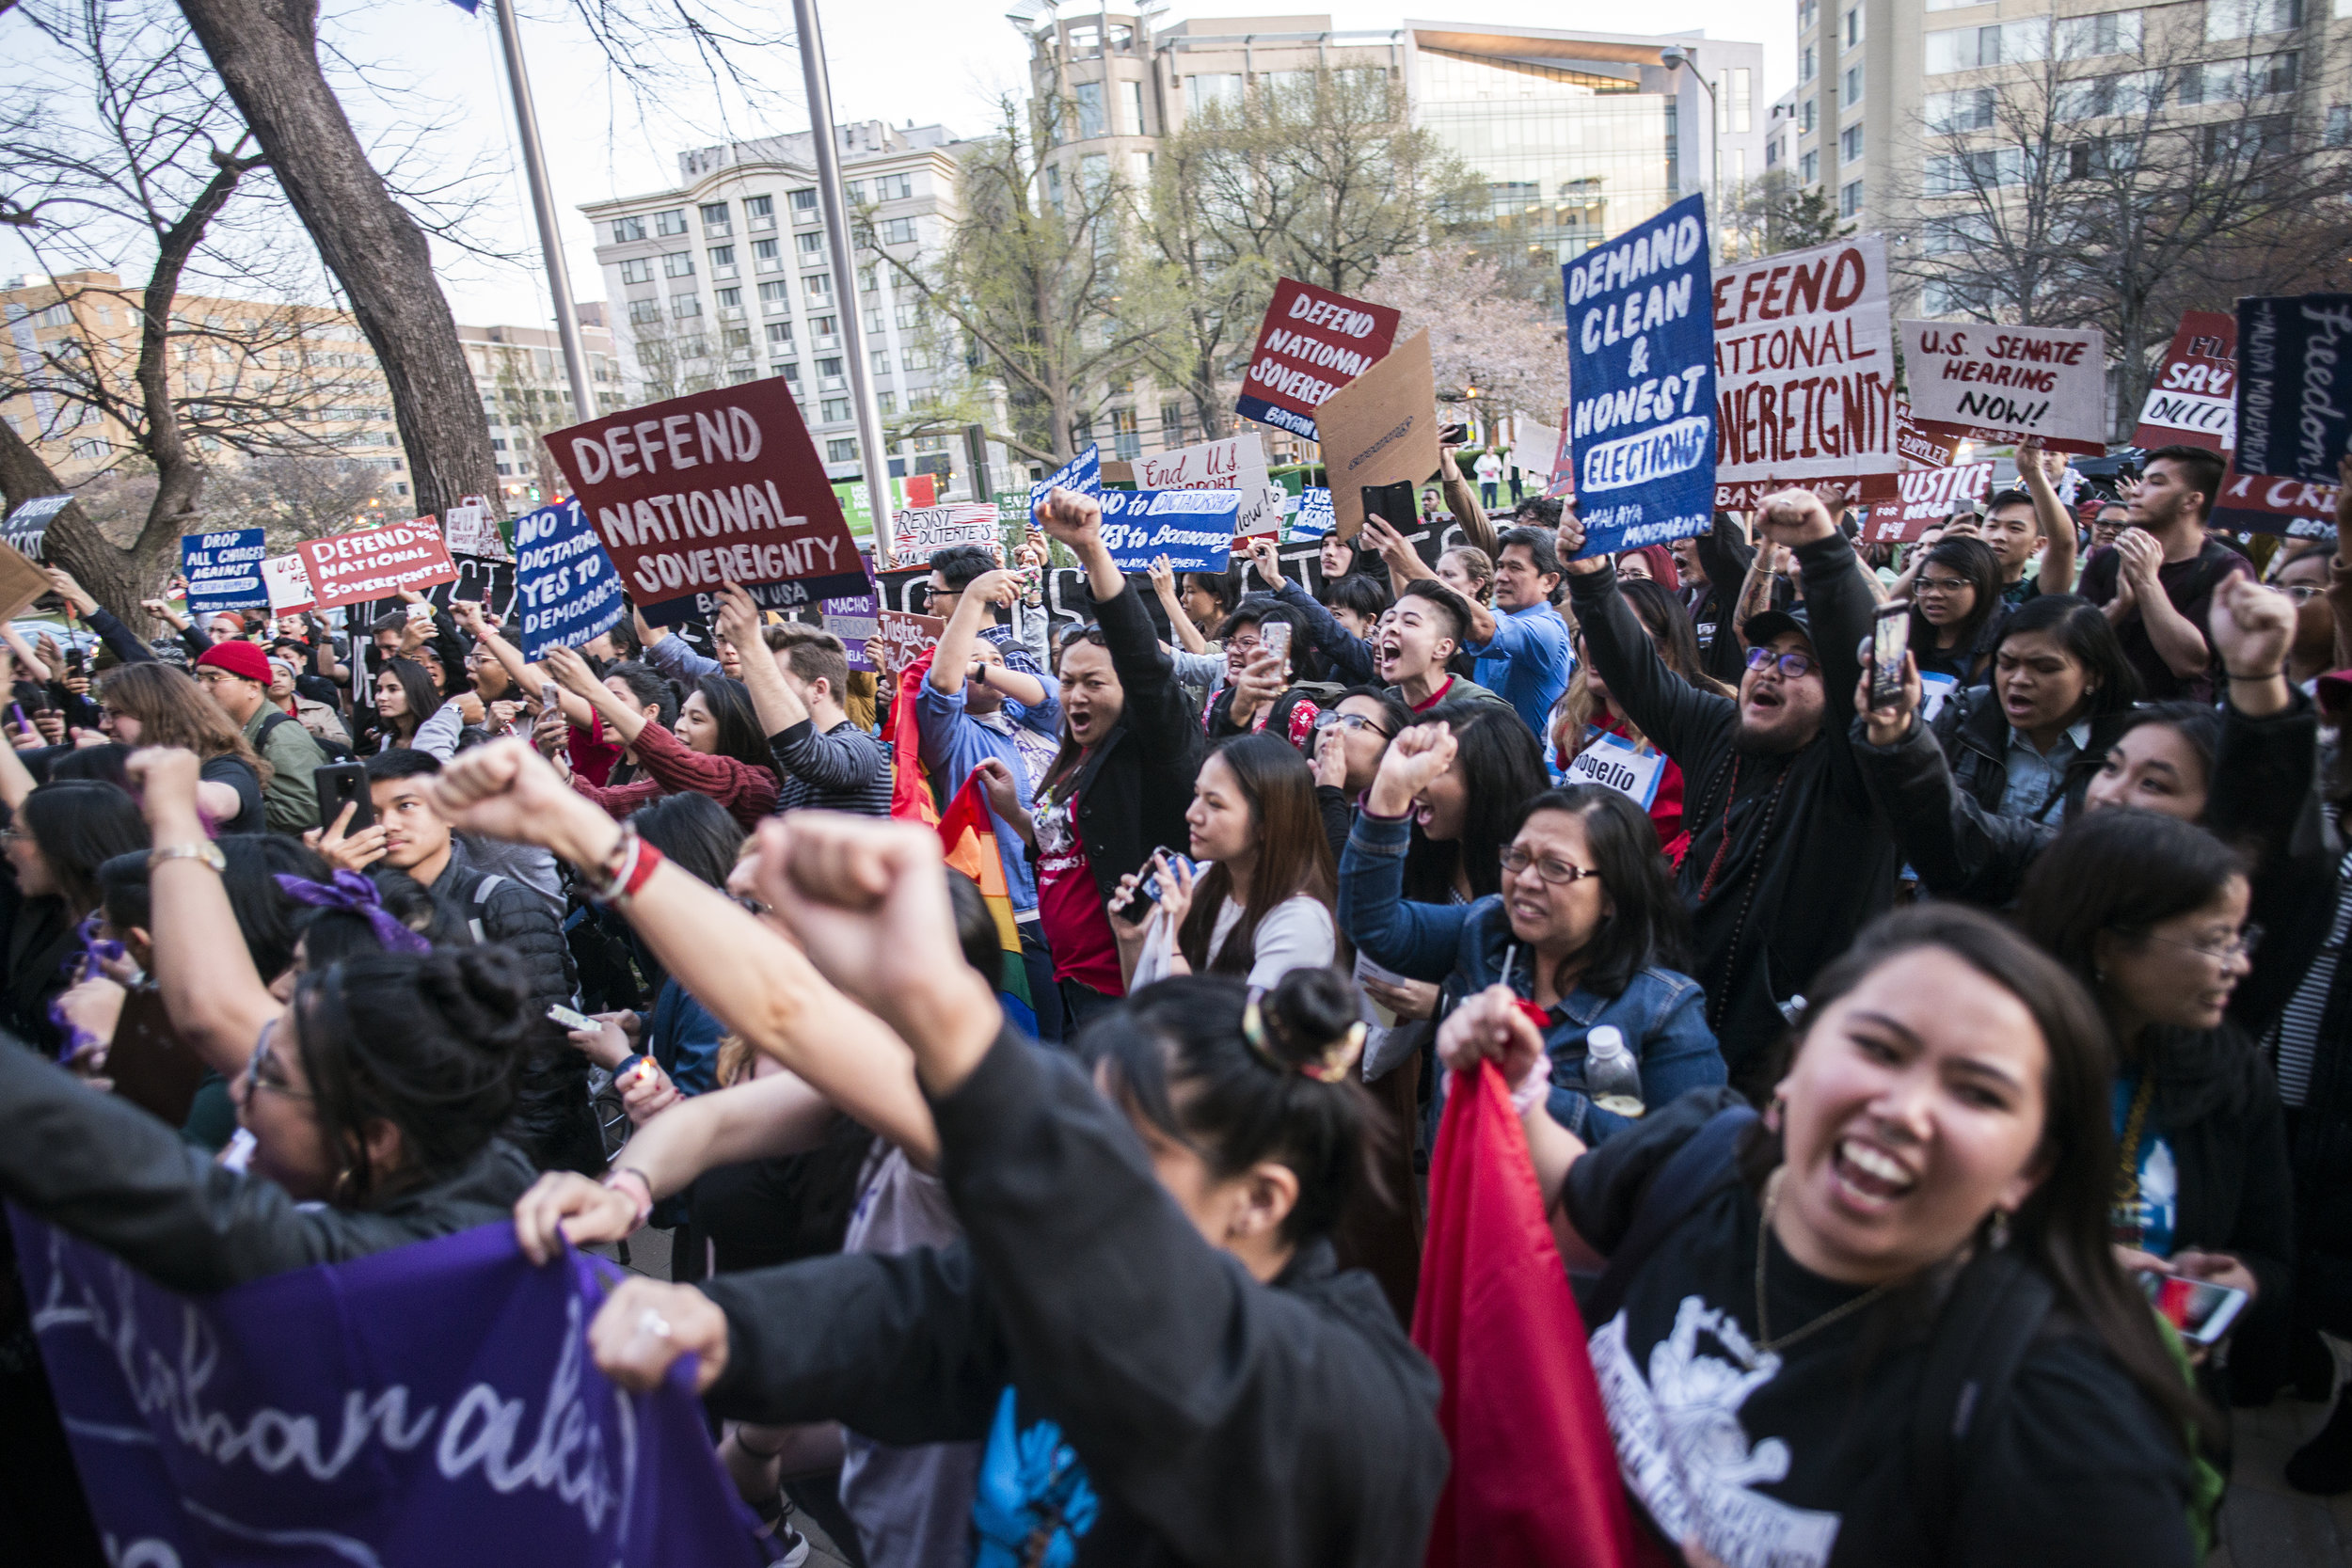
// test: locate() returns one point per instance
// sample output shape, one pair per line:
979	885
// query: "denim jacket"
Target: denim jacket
1662	1013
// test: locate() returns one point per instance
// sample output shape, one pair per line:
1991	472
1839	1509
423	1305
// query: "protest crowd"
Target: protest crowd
1093	1077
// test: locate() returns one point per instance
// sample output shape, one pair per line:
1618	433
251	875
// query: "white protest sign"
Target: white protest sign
918	530
289	584
1237	462
470	528
1996	383
1614	763
1804	366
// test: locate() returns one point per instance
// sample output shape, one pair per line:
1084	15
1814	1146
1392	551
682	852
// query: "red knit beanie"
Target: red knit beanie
238	658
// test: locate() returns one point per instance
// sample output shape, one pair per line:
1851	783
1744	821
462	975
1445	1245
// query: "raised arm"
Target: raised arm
778	705
1417	941
1837	595
1157	717
217	1002
1164	588
1461	499
578	681
2041	471
1670	710
755	982
528	677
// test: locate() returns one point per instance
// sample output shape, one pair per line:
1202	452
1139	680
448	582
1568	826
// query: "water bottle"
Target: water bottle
1612	1080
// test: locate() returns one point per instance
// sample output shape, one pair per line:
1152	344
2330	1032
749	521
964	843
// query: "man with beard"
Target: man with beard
2157	583
1789	855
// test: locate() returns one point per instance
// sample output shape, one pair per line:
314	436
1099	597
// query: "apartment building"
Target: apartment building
1890	92
301	377
728	276
526	392
1578	134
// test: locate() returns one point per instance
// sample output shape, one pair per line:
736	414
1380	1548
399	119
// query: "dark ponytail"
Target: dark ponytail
1284	1085
429	1042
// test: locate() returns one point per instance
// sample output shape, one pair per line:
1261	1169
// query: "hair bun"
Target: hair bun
1313	1024
483	993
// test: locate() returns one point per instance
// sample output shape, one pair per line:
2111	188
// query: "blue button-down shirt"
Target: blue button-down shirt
1527	661
2034	778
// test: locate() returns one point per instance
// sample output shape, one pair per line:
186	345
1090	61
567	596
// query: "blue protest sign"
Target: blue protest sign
1193	529
1082	473
566	583
1313	518
224	571
2295	386
433	1403
851	619
1642	372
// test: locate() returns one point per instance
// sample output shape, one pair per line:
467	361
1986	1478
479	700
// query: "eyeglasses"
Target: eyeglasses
1329	718
261	1071
1793	666
1558	873
2302	593
1942	585
2240	947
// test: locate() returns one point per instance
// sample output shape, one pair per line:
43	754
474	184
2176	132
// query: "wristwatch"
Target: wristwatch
207	852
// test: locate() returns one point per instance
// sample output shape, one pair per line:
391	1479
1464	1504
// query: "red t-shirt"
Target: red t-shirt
1070	906
593	756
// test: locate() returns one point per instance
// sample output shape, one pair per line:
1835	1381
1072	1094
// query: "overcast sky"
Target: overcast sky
924	60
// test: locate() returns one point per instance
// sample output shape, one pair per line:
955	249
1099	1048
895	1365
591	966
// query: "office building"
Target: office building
728	276
526	392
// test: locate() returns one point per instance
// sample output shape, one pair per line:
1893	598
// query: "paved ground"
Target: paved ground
2266	1523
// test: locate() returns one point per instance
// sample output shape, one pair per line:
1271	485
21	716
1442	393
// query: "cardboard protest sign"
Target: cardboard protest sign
1380	428
1925	497
1311	344
1642	372
851	619
1237	462
1804	366
21	581
715	487
2295	386
471	528
1996	383
916	532
288	583
566	583
371	563
899	638
1082	473
1562	486
224	570
1193	529
1313	518
2193	399
2271	504
26	526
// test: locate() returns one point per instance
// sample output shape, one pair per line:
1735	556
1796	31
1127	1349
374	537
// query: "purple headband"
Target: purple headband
95	950
356	894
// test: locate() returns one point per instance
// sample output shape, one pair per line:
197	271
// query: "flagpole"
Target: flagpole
872	454
543	208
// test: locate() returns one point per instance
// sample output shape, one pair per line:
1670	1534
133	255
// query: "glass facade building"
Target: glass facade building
1570	157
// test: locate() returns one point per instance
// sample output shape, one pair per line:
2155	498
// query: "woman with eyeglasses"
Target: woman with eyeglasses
1260	694
151	704
1593	742
2303	577
1954	600
1351	737
2151	915
1586	931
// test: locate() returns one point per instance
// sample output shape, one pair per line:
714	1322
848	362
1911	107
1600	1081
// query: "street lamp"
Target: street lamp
1673	58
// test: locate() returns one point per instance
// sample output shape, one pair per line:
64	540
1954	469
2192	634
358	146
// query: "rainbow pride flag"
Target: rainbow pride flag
967	832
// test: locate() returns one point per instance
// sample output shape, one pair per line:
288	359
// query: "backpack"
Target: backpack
1997	1307
335	751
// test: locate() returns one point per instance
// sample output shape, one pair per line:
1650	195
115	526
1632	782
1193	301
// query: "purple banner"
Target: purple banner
430	1404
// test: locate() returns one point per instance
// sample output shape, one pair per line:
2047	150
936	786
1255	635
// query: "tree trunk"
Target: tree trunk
266	53
119	577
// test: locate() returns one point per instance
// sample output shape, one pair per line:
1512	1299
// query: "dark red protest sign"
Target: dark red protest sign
1924	498
1311	344
716	487
2193	401
1917	448
376	563
2271	504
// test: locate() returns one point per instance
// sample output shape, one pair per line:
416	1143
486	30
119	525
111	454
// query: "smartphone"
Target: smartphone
1276	637
1890	637
2201	1311
1454	434
1394	504
1146	889
547	696
573	1019
341	784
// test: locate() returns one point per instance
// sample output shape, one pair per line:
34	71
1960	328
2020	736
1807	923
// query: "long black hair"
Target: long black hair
1294	856
1972	560
1646	925
694	830
2062	1227
78	826
423	697
1181	1055
2082	630
741	735
1503	768
2118	872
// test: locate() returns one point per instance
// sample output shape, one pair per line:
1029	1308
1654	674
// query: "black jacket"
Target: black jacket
1220	1420
1132	793
1810	859
499	909
2217	1105
1974	733
41	939
115	1176
1724	556
2260	799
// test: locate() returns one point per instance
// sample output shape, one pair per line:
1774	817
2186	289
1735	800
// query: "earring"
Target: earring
2000	1229
1774	1112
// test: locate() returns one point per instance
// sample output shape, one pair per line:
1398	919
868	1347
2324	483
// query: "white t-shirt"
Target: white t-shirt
1296	933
